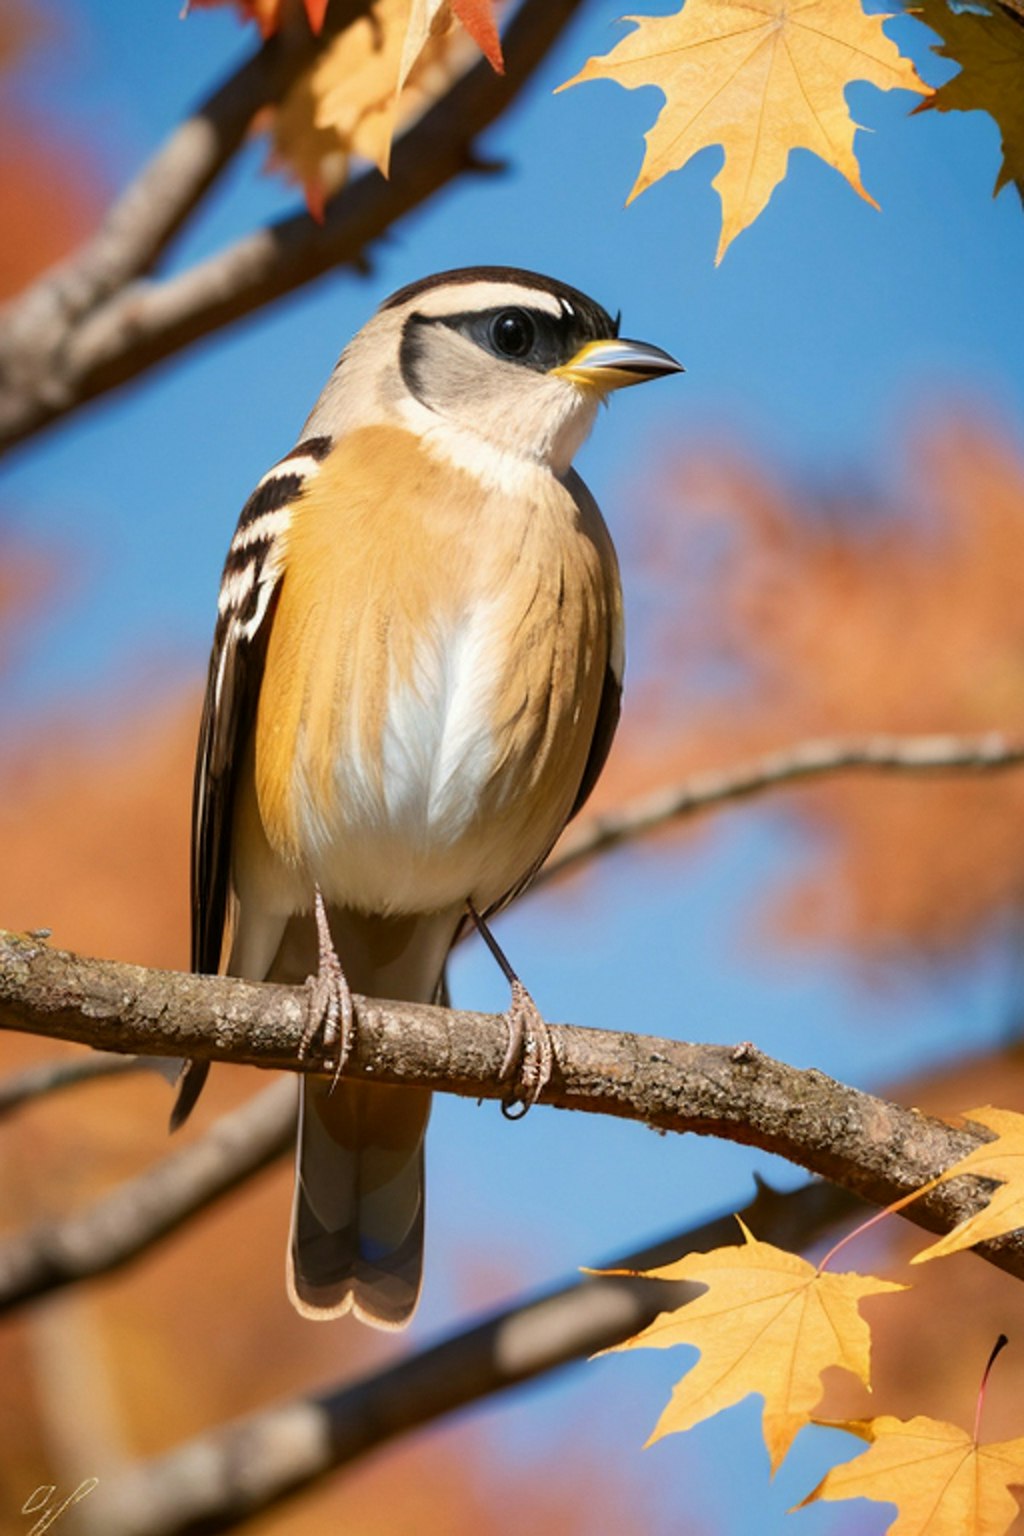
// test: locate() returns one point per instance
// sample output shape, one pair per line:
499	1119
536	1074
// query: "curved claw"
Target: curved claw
529	1056
331	1010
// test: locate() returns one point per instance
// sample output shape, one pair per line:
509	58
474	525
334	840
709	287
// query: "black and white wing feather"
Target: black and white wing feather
248	594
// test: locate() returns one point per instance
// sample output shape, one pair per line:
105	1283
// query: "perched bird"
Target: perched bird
414	684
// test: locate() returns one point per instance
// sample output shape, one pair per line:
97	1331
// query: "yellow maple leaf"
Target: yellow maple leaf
768	1322
347	103
759	77
1001	1159
941	1480
987	41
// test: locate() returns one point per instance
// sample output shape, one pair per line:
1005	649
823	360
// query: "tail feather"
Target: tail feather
357	1220
358	1217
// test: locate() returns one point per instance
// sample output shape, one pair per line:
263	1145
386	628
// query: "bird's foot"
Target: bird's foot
331	1017
529	1057
530	1054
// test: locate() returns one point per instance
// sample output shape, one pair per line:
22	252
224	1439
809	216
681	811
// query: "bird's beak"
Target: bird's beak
615	364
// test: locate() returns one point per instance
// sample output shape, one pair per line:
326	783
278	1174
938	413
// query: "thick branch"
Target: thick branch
146	322
869	1147
142	1211
791	765
238	1470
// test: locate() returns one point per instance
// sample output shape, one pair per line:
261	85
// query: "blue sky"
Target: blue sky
828	330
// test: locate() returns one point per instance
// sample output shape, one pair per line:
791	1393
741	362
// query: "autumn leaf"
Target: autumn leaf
269	14
761	79
987	41
377	75
940	1479
1001	1159
768	1322
478	18
432	18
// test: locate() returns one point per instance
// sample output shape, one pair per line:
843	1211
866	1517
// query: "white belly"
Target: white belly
407	830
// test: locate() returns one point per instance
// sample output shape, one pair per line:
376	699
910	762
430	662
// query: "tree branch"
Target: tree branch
68	1072
49	366
874	1149
240	1469
142	1211
38	327
652	812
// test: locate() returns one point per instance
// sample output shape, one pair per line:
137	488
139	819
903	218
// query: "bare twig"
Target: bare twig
37	328
236	1471
877	1150
143	1210
792	765
48	366
48	1077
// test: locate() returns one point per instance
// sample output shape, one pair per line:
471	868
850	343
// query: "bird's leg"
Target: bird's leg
331	1013
530	1054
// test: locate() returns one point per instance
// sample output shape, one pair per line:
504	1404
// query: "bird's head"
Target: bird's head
517	360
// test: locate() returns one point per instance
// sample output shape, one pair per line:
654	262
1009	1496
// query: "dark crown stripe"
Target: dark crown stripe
313	448
522	278
271	496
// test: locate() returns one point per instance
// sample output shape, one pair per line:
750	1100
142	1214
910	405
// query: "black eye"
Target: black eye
512	333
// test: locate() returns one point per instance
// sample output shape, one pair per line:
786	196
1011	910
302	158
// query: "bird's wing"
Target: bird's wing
249	587
248	593
610	705
608	712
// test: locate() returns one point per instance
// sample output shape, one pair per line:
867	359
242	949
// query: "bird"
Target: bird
414	683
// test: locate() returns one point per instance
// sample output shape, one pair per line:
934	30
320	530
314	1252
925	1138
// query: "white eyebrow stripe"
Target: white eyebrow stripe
456	298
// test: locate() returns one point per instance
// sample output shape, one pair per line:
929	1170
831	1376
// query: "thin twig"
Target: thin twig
929	755
143	1210
48	1077
38	327
239	1469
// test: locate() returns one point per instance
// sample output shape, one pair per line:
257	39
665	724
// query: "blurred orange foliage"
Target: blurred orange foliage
847	614
49	189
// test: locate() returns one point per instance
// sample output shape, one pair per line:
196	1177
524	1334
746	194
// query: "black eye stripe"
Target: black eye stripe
556	337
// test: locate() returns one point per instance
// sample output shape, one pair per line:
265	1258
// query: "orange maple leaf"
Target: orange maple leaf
941	1480
768	1322
1001	1159
477	16
761	79
268	14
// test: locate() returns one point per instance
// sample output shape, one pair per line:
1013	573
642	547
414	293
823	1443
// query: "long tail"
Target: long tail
358	1214
357	1221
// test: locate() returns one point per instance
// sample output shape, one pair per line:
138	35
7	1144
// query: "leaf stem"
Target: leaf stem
997	1349
889	1210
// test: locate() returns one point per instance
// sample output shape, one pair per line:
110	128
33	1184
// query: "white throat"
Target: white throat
508	468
